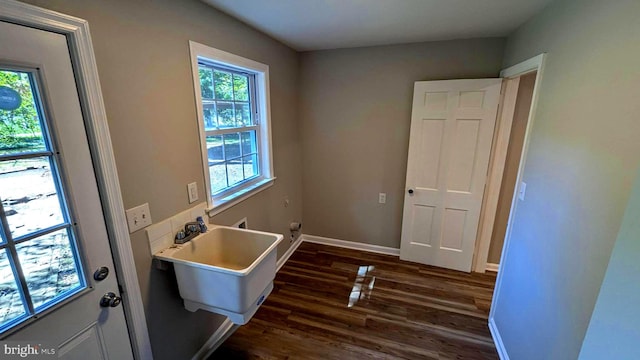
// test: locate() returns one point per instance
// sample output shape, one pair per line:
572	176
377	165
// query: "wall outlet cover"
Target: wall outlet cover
382	198
138	217
192	189
523	191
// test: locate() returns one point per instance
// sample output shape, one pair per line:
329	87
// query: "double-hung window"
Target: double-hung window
233	111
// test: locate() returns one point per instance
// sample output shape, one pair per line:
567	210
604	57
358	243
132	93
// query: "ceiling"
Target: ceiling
330	24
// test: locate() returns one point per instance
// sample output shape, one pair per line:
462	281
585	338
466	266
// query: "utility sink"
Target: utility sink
228	271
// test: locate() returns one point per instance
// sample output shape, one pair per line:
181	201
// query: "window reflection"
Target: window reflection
362	286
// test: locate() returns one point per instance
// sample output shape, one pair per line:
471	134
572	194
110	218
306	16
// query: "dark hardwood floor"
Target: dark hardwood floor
335	303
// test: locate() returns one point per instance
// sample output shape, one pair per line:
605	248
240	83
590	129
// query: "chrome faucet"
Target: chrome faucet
191	230
191	227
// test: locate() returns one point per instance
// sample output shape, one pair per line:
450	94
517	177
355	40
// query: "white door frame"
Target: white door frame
533	64
83	59
499	153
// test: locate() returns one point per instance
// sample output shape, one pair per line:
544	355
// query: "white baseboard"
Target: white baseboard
351	245
226	329
283	259
492	267
497	340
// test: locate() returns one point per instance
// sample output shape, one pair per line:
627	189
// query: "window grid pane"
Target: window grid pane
218	175
206	82
30	196
49	267
250	166
234	171
232	147
231	92
20	126
210	116
240	87
12	305
222	85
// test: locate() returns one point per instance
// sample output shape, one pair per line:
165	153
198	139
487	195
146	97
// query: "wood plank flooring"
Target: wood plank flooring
335	303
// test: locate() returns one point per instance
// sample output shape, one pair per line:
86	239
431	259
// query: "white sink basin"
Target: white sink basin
228	271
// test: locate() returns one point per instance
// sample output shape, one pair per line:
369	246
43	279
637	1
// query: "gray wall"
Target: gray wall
142	53
355	110
613	332
579	171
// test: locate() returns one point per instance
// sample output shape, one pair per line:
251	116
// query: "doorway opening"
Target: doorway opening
508	154
511	166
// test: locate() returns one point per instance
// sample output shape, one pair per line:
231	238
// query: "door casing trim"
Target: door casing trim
499	149
534	64
85	69
501	142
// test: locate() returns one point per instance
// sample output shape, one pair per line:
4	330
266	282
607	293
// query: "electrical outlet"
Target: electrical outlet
192	189
523	191
138	217
382	198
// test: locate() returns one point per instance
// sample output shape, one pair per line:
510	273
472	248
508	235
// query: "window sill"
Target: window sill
227	202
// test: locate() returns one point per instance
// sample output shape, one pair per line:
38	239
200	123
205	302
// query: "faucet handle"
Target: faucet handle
181	235
201	223
192	227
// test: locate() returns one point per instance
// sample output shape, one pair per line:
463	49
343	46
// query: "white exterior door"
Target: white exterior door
53	234
452	125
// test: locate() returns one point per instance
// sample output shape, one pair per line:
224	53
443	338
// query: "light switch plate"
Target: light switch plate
138	217
523	190
192	189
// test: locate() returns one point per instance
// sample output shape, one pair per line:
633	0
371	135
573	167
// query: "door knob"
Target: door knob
110	300
410	191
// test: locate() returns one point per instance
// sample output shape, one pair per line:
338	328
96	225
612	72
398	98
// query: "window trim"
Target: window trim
226	199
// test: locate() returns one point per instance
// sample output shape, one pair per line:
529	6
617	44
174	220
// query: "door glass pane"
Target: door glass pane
206	82
234	171
29	195
49	266
226	118
33	206
11	304
20	129
250	164
241	87
223	85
